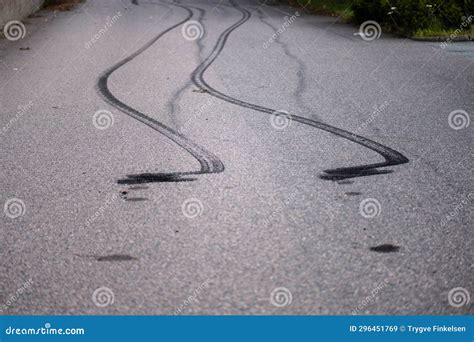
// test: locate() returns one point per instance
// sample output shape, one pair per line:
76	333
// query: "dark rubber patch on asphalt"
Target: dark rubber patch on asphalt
353	193
116	257
339	176
136	199
156	178
385	248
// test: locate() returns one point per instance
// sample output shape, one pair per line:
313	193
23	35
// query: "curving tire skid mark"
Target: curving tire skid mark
391	156
208	161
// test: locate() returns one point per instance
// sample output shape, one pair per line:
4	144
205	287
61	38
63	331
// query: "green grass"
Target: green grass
437	32
341	8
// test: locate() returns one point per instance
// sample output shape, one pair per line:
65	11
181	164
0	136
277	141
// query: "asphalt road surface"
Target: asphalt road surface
231	157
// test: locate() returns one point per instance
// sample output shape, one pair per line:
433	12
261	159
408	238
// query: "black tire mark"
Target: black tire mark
175	98
391	156
300	74
208	161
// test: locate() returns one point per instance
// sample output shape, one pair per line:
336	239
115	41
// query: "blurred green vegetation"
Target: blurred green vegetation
408	17
404	17
60	5
340	8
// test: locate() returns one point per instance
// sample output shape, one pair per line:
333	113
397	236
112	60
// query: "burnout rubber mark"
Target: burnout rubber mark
209	162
